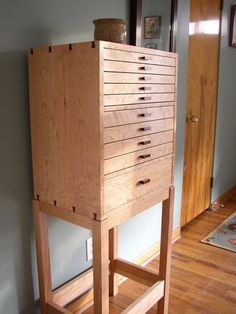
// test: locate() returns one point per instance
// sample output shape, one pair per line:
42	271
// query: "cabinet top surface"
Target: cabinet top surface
105	45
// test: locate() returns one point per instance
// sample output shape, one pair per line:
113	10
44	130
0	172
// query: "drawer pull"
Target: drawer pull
145	156
146	58
144	142
144	129
145	98
145	78
144	181
145	88
144	115
145	68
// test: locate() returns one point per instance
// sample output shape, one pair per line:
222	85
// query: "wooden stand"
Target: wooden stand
103	141
104	257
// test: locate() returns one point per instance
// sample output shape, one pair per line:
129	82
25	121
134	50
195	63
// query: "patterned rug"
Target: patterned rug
224	236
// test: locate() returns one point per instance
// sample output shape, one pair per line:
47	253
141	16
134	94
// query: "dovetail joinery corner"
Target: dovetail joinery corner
103	140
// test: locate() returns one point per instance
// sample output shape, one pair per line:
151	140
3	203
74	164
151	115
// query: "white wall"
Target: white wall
224	171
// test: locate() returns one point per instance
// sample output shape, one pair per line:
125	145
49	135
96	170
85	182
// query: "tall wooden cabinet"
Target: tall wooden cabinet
103	140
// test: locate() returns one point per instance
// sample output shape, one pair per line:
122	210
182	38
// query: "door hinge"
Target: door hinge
211	182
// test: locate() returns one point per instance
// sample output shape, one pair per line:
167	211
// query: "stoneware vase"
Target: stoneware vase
114	30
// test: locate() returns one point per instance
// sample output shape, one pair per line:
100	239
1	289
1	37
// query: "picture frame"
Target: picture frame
232	32
152	27
151	46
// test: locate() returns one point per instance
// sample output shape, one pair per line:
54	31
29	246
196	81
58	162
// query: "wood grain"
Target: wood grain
43	256
116	66
129	184
132	208
147	300
142	156
121	117
101	267
136	144
67	215
165	250
65	148
129	56
224	197
53	308
73	288
198	272
137	88
123	132
201	101
134	272
113	77
139	106
113	254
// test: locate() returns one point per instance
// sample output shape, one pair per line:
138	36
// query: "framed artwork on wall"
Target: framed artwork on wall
232	32
152	27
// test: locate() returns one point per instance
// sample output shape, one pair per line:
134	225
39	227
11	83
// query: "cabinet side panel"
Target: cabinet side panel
65	125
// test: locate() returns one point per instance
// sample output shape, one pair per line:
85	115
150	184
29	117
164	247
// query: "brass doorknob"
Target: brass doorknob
191	118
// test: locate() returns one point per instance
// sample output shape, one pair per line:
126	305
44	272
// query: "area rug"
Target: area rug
224	236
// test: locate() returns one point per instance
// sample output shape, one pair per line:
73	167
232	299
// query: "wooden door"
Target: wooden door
204	29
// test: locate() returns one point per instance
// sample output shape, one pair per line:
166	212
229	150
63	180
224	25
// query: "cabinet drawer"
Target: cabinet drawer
137	143
138	88
120	117
144	155
114	100
131	185
128	56
114	77
122	132
116	66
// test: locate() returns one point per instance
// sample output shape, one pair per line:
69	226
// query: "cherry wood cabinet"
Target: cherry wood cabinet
103	141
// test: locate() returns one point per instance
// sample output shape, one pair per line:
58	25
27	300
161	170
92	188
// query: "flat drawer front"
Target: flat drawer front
121	117
115	77
127	56
114	100
113	66
137	144
131	185
129	160
122	132
137	88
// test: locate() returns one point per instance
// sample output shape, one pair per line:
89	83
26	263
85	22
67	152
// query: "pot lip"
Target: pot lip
110	20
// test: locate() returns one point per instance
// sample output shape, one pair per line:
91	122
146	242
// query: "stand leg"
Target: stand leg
101	267
113	253
43	256
165	250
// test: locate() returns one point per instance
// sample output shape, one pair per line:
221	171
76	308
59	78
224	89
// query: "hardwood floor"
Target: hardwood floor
203	277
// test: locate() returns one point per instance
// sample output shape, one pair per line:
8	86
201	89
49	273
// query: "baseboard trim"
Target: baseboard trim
82	303
151	253
224	197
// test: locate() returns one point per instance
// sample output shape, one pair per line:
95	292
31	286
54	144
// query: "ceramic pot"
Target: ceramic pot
114	30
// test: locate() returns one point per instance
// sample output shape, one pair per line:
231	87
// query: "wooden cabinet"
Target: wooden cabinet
82	100
102	129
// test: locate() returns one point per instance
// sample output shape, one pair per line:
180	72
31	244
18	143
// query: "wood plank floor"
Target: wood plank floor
203	277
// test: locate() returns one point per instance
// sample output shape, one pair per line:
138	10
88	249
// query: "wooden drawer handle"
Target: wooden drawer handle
144	115
144	142
145	68
145	88
144	129
144	181
145	78
145	98
145	156
146	58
